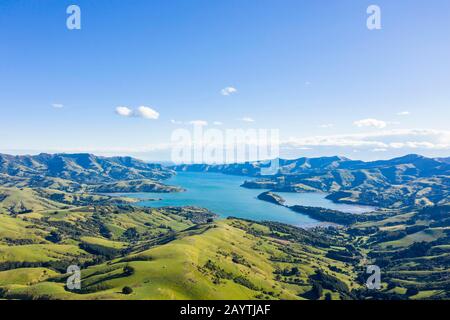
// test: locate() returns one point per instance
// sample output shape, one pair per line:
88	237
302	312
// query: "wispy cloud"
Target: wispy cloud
140	112
246	119
124	111
382	140
194	122
383	144
199	122
57	105
228	91
326	125
147	113
379	150
404	113
370	123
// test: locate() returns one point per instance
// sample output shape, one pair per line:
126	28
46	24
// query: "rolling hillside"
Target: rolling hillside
80	168
83	173
208	261
51	219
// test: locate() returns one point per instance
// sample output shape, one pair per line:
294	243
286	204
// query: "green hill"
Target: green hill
134	186
223	260
51	219
64	171
19	201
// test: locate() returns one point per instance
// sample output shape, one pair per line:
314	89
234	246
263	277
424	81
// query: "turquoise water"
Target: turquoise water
223	195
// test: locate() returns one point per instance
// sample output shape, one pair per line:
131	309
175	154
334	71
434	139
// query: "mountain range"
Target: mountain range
408	181
70	171
409	165
412	180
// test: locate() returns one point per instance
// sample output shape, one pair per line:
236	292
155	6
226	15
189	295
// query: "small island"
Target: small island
272	197
134	186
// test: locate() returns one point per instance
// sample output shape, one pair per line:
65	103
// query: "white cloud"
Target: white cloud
397	145
370	123
247	119
326	125
371	145
198	122
57	105
379	150
124	111
141	112
195	122
147	113
404	113
228	91
389	139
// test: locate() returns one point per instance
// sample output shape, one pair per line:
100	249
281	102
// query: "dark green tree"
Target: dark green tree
127	290
128	270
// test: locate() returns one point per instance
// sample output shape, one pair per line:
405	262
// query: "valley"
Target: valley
186	243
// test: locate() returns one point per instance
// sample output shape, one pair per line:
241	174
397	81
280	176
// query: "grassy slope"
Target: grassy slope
39	252
427	272
16	201
177	270
25	276
243	264
427	235
15	229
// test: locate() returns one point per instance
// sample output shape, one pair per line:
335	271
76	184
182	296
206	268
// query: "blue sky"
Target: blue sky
311	69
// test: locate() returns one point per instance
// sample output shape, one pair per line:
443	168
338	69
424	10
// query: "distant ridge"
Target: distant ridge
413	179
445	160
414	164
82	168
